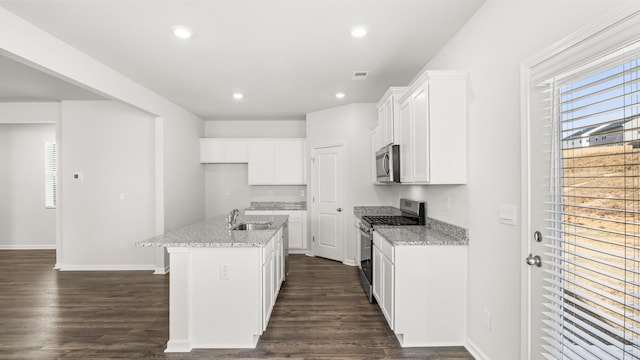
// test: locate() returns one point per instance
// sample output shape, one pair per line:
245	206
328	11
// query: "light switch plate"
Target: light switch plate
507	214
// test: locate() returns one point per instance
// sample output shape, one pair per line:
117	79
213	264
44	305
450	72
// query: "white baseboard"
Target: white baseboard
297	251
474	350
350	262
27	247
110	267
161	270
178	346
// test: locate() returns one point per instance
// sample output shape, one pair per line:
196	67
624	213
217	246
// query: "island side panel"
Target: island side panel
179	300
226	303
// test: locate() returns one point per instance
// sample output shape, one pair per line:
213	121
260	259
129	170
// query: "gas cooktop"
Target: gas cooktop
393	220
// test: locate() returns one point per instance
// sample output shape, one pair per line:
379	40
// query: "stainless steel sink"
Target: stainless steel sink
252	226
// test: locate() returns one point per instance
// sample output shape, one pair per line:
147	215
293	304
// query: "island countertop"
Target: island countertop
215	232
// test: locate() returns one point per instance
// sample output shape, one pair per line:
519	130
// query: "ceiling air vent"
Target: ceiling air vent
360	75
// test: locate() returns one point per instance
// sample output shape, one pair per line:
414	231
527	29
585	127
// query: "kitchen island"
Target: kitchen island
223	282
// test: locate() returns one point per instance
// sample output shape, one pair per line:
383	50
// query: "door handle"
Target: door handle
532	260
339	209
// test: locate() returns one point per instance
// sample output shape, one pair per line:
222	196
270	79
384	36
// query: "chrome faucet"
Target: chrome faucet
233	216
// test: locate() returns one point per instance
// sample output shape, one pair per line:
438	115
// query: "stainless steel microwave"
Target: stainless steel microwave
388	164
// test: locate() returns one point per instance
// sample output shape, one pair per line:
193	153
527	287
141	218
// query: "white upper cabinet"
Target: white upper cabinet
262	162
277	162
271	161
433	129
223	151
290	162
388	111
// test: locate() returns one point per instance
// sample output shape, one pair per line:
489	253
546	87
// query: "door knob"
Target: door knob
339	209
534	260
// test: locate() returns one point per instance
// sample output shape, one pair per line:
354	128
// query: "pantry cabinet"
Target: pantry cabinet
433	129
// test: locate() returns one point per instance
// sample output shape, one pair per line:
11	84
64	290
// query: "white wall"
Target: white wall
350	125
112	146
491	46
255	128
25	223
29	113
182	180
226	185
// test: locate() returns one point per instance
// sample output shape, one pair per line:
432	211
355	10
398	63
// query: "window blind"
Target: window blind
50	171
592	306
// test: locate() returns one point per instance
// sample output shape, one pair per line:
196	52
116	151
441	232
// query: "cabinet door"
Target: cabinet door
295	234
267	294
385	122
377	275
290	163
262	163
235	151
406	142
420	130
387	289
210	151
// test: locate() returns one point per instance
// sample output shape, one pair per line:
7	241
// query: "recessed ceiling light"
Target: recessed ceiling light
358	31
182	32
340	95
238	96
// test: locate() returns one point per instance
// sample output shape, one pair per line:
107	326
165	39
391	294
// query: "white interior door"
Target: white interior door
328	230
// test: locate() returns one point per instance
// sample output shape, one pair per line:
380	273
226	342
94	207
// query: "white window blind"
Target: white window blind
592	310
50	172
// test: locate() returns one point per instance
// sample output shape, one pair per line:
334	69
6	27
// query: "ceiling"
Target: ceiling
288	57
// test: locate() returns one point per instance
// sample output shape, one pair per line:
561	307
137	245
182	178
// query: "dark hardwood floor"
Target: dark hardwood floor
321	312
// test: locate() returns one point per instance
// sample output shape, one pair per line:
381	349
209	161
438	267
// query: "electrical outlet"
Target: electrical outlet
122	197
227	193
447	205
270	192
225	272
123	245
301	192
486	319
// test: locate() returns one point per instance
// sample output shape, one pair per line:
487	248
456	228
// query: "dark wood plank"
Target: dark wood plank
321	312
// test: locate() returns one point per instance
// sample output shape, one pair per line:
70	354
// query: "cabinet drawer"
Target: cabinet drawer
384	245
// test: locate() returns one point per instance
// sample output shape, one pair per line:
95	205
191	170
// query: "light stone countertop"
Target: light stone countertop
417	235
360	211
215	232
277	205
435	232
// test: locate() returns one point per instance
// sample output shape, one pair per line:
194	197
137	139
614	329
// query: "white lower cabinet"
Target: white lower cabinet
297	227
421	291
222	297
383	277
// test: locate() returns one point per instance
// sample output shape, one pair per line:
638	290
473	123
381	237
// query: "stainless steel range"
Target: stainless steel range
412	213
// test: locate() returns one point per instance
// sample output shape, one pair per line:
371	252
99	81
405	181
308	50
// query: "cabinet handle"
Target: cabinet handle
339	209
